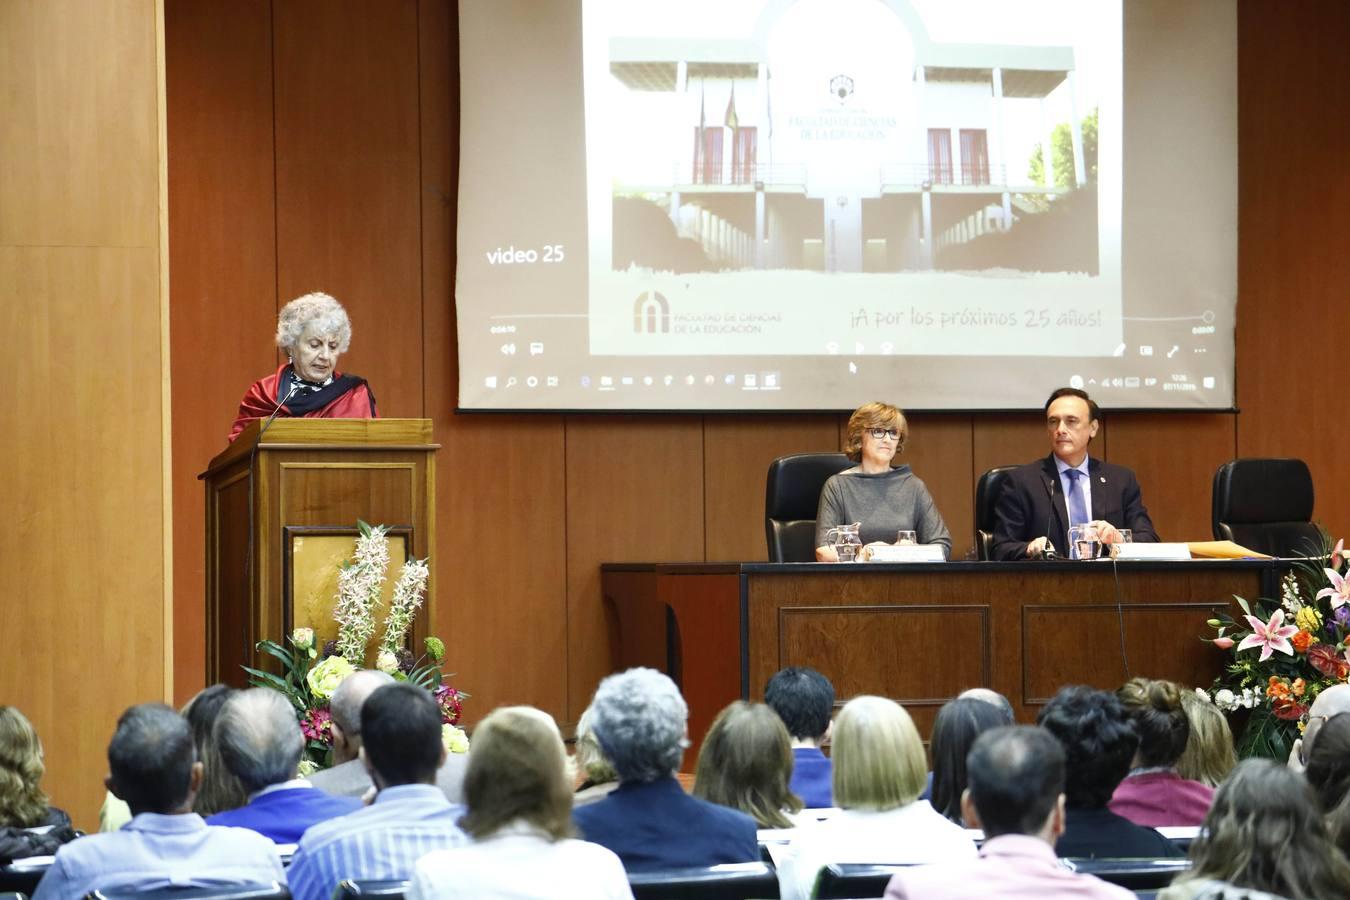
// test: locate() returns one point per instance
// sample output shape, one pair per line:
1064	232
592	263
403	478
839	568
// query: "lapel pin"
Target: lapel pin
1103	479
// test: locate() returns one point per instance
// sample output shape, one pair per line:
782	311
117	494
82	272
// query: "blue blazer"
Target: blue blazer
284	815
811	778
658	826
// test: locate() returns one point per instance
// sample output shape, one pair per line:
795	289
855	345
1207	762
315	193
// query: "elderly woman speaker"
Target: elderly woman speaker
314	331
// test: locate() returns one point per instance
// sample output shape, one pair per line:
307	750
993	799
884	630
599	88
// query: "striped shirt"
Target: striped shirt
381	841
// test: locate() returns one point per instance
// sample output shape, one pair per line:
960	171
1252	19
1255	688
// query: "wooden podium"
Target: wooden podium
307	479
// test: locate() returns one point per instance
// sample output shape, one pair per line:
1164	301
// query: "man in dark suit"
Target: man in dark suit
1041	499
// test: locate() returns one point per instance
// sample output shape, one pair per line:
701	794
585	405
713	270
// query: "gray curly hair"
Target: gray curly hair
639	719
317	309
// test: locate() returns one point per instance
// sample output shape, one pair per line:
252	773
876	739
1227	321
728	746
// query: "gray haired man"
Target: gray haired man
261	744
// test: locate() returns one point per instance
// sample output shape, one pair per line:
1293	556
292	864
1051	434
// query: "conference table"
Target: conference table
920	633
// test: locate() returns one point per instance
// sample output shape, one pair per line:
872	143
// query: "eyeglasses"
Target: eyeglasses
879	433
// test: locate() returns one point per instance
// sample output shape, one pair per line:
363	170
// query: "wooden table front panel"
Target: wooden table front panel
921	637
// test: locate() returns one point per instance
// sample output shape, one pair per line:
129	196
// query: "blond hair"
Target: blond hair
22	802
517	771
878	758
874	415
1209	755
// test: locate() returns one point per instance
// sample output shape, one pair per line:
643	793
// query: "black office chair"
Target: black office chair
367	887
732	881
1266	505
271	891
842	880
791	497
987	491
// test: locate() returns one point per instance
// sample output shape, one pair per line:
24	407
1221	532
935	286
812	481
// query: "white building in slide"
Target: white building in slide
836	136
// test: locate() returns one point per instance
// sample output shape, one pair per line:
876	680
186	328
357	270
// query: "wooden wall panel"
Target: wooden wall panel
86	594
634	492
1007	440
78	127
940	452
223	278
1174	457
348	179
502	596
1293	250
736	456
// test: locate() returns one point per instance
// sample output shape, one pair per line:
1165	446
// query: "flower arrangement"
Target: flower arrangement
310	674
1287	651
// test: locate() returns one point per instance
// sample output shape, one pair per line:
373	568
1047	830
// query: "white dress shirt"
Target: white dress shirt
519	862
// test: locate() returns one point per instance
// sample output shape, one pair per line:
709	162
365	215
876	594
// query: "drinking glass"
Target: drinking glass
1085	541
906	537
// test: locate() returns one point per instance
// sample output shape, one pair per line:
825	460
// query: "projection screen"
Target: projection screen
807	204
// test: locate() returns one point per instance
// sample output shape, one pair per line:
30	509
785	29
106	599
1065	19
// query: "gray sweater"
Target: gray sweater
884	503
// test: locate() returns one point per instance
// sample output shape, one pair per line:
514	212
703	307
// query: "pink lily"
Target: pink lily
1223	643
1339	592
1338	554
1269	636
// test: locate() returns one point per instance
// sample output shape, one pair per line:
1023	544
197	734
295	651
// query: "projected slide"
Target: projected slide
806	177
806	204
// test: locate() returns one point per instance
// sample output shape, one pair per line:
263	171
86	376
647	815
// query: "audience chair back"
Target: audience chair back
271	891
791	497
1265	505
843	880
1133	874
987	491
21	877
366	887
730	881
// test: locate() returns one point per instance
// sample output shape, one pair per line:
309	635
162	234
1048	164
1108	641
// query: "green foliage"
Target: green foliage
1062	155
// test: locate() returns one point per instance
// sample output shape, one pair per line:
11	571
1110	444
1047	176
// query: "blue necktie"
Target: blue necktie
1078	514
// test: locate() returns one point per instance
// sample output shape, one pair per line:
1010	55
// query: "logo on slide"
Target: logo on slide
651	313
841	86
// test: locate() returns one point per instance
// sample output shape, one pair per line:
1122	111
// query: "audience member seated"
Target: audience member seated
746	762
1099	744
595	772
1263	833
1153	794
220	790
640	720
804	700
409	817
153	769
28	826
955	729
260	743
1329	774
520	805
1016	795
348	777
879	770
1210	754
1330	702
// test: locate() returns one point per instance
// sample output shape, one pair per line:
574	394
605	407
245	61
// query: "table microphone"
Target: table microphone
1049	551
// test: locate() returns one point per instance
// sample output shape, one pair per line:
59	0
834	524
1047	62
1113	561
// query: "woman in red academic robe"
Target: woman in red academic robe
313	330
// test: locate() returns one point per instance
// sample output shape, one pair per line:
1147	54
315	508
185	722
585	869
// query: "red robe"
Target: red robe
261	400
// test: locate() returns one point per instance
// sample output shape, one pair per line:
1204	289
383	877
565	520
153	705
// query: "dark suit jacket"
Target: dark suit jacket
1100	833
1024	508
658	826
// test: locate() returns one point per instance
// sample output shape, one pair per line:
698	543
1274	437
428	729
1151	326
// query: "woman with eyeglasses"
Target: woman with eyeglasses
880	493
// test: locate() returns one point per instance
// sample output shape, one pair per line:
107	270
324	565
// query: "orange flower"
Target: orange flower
1298	687
1277	690
1301	641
